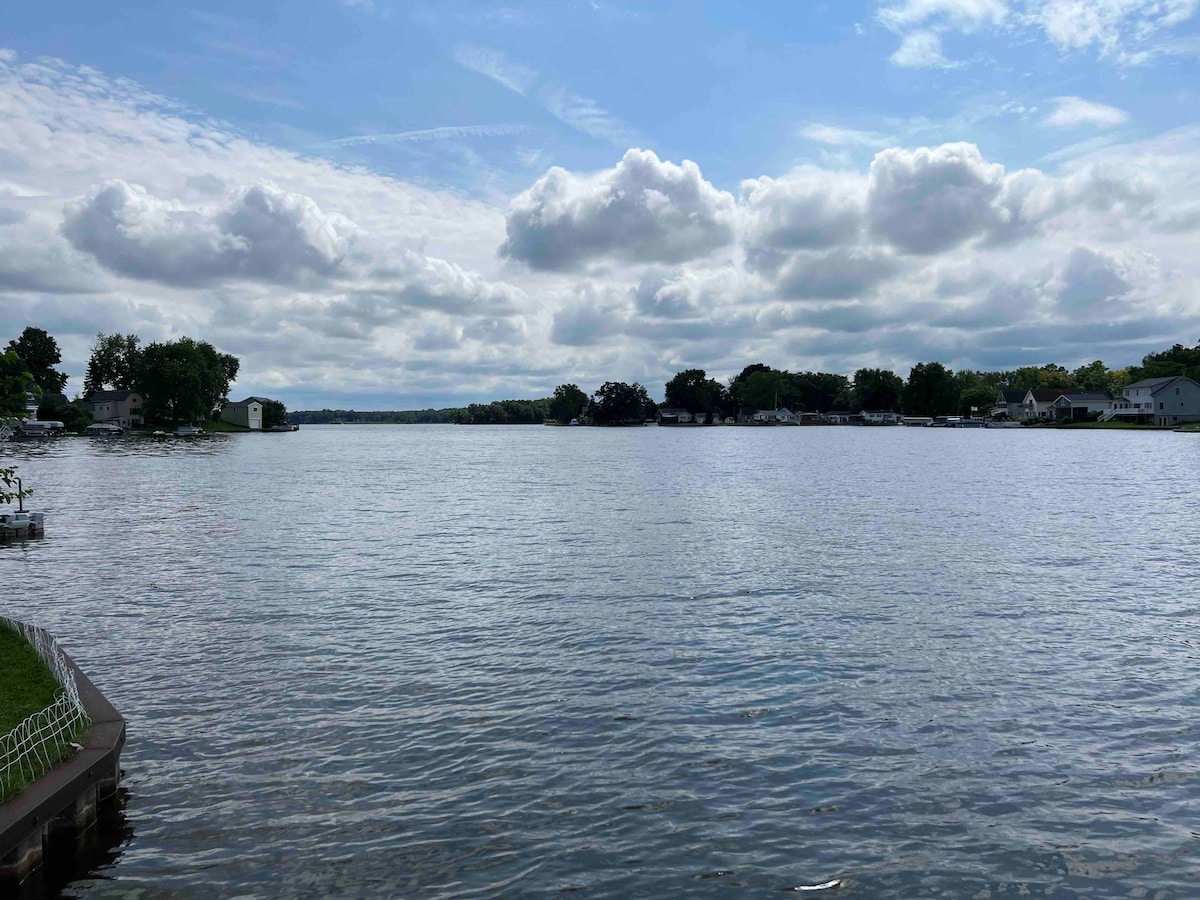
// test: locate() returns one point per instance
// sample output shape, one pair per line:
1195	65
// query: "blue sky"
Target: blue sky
368	186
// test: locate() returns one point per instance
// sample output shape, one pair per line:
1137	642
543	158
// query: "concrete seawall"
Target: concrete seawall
53	817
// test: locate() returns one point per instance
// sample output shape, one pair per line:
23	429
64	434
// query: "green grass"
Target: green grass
28	688
28	684
1115	426
224	427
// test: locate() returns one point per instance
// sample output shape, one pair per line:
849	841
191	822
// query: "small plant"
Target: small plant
10	487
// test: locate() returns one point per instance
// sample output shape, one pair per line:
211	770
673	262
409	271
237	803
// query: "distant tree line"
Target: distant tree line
184	380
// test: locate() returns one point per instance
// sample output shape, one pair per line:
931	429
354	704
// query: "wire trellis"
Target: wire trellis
36	745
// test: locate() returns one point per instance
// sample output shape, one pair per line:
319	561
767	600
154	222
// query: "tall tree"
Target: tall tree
184	380
1095	376
877	389
113	364
16	383
694	391
931	391
1179	360
567	403
273	413
40	354
617	403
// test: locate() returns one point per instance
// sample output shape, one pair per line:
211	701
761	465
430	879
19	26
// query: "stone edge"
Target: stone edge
95	766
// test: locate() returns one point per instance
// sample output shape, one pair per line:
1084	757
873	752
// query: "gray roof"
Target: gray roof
1086	396
671	411
248	401
110	396
1011	395
1156	383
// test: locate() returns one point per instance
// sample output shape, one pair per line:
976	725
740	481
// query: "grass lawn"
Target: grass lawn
28	684
28	688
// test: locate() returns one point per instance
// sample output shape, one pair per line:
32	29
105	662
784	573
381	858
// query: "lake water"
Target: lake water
471	662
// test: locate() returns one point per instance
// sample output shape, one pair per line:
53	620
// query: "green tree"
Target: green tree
273	413
694	391
1037	378
758	387
617	403
1179	360
73	415
183	380
931	391
567	403
1095	376
40	354
877	389
16	383
9	492
113	363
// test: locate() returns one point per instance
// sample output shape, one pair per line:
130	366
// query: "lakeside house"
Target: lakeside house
1079	406
839	417
1159	401
1010	402
672	416
246	413
781	416
880	417
123	408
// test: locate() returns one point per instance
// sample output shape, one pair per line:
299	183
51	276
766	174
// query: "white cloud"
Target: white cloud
920	50
643	210
334	280
495	65
836	136
446	132
586	116
965	14
1129	32
1074	111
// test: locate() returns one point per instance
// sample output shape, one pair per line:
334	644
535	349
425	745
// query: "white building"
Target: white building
247	413
880	417
1161	401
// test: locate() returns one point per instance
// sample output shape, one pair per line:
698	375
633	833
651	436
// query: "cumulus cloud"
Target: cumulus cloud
644	210
588	318
1074	111
262	232
840	274
808	209
930	199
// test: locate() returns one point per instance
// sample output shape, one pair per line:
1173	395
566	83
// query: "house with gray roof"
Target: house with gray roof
122	408
247	413
1159	401
1081	406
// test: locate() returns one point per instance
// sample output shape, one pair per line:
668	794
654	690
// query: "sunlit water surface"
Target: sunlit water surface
473	662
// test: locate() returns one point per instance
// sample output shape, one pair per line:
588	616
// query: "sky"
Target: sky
386	205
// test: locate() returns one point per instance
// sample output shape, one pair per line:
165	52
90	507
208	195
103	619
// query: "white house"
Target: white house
839	417
781	416
880	417
671	416
1163	401
247	413
1039	404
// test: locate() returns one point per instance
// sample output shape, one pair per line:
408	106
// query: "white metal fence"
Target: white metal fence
34	746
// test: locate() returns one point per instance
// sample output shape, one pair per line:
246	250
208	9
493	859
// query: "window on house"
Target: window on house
1160	406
